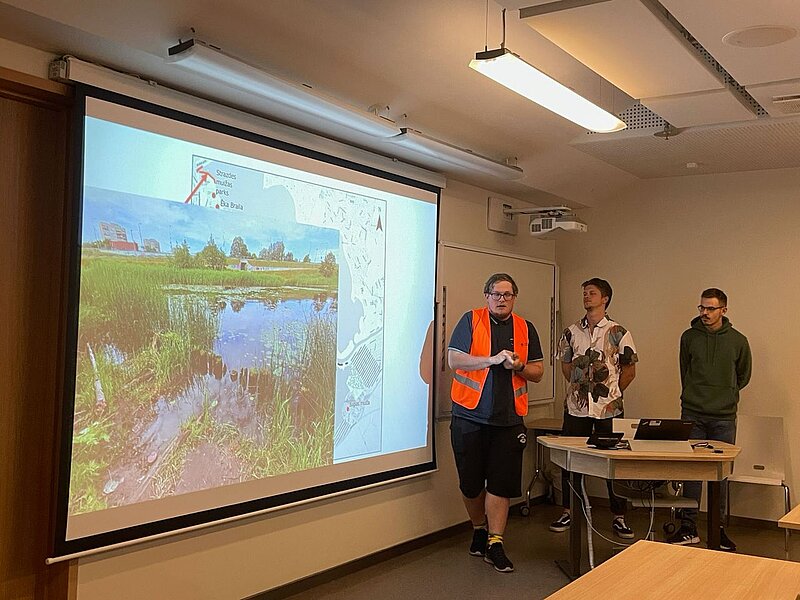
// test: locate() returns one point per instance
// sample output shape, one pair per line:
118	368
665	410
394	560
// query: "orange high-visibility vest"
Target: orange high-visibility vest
467	385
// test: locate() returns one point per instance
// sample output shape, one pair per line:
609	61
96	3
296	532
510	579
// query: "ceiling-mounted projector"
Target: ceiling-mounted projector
544	219
541	224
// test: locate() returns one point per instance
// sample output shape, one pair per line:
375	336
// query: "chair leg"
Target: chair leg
786	530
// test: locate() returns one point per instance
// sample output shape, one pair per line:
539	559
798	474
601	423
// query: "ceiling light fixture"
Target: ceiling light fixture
210	63
508	69
455	156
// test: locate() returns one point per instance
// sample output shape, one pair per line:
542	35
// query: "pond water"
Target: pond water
251	333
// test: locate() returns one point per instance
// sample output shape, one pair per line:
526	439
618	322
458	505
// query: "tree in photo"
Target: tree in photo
276	251
211	257
328	265
239	248
182	257
306	259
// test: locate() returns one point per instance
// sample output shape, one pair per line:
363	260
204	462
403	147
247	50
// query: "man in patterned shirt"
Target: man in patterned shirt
598	359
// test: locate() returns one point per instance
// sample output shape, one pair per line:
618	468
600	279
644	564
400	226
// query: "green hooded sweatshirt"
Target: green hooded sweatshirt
715	365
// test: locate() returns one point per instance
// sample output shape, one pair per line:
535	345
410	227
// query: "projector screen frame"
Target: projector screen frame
62	547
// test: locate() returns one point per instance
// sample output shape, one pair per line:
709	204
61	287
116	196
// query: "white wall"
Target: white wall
664	242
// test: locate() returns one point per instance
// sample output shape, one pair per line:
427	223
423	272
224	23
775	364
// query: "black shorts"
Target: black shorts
488	457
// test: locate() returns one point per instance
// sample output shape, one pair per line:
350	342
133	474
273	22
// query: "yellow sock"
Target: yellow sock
494	538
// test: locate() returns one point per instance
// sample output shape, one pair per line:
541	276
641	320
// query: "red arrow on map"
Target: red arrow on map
204	175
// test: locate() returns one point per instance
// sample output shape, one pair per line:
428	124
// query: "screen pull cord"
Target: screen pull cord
590	528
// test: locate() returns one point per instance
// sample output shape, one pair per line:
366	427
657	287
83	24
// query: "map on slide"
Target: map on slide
361	221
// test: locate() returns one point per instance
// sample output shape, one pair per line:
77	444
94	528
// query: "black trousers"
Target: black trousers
584	427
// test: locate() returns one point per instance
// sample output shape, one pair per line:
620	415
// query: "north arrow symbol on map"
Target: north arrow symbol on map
379	226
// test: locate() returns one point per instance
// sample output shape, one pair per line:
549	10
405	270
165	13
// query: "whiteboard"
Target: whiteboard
463	271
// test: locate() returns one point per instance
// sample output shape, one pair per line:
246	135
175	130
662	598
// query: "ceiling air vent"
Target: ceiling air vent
788	105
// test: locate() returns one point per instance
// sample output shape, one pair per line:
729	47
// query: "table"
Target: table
704	464
538	427
657	570
791	520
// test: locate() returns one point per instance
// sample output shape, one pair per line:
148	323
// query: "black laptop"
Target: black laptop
664	429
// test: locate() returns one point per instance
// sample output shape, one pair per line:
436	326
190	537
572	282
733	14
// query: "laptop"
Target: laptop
627	427
662	435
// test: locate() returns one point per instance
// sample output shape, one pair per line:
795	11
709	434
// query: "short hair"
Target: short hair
487	289
603	286
715	293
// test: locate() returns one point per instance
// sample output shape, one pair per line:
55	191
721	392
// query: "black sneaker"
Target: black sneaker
479	538
686	534
621	528
725	542
562	523
495	555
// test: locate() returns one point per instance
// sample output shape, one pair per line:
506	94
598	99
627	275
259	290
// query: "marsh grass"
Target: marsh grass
295	395
89	464
125	307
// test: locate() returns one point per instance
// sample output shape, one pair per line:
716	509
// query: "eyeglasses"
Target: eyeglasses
702	309
504	296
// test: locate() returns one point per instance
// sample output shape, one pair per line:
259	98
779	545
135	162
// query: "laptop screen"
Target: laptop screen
664	429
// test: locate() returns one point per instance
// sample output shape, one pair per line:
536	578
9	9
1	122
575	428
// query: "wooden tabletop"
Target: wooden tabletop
578	444
658	570
791	520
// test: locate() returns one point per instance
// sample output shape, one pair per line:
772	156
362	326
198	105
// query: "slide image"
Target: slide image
207	344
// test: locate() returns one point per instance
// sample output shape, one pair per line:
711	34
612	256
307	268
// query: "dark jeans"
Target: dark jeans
707	428
584	427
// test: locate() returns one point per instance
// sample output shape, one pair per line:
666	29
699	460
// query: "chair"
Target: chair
762	459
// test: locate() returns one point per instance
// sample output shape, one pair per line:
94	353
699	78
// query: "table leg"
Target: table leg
572	568
537	470
576	529
714	500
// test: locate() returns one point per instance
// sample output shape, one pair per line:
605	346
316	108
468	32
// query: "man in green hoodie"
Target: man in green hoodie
715	364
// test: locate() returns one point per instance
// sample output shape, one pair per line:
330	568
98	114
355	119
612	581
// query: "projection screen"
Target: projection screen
245	326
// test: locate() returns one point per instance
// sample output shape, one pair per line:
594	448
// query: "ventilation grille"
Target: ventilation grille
787	105
540	224
637	116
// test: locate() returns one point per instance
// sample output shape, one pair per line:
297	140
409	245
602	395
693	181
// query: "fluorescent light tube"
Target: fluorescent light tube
459	157
211	64
508	69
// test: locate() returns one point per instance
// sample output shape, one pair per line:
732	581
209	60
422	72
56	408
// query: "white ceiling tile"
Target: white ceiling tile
709	20
627	44
702	108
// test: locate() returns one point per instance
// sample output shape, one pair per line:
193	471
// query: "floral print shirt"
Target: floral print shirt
597	357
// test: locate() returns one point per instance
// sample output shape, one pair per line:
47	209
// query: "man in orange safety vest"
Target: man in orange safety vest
494	354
